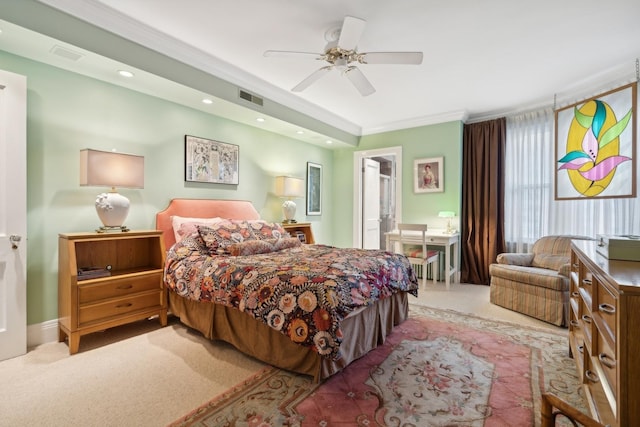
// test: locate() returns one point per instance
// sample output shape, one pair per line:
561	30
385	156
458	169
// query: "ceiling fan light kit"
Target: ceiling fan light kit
340	52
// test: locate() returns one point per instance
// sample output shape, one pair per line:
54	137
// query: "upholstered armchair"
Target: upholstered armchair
537	283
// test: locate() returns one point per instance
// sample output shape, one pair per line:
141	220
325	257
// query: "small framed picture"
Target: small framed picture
301	236
210	161
314	189
428	175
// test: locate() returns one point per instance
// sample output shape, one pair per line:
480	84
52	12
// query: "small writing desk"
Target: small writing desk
435	237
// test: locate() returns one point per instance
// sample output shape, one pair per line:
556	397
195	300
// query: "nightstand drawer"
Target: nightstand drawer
114	288
118	307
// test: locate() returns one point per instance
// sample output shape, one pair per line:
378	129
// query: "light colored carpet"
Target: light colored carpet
144	375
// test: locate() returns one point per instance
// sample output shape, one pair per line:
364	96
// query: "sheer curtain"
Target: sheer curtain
530	209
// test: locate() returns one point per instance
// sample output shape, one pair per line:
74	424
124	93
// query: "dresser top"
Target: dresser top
625	273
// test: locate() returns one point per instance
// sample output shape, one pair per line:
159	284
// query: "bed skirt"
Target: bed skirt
363	330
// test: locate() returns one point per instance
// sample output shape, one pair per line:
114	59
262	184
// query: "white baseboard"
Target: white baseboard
42	333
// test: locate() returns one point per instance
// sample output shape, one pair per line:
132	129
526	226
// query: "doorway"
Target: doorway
388	196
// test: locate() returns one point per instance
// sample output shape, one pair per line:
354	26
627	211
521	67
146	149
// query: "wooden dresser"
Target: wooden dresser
604	333
132	289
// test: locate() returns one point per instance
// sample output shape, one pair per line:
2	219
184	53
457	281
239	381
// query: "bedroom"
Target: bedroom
63	120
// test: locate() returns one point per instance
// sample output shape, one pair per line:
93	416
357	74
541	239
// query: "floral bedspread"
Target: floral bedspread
303	292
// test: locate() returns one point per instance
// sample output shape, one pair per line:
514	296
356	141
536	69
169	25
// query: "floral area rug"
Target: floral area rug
438	368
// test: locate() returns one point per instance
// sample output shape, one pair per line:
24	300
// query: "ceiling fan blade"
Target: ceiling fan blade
359	81
391	58
292	54
350	33
315	76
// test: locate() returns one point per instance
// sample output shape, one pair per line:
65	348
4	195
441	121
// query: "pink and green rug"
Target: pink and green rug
439	368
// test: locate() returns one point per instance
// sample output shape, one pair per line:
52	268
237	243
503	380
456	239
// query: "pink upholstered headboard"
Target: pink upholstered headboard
202	208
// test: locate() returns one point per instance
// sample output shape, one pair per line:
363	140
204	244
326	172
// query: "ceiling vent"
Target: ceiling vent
251	97
66	53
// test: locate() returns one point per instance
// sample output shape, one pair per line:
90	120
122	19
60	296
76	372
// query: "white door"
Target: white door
13	215
371	204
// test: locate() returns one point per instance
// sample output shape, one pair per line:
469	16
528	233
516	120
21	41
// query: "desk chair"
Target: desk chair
414	247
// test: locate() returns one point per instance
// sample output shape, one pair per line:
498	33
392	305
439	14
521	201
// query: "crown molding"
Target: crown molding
416	122
98	14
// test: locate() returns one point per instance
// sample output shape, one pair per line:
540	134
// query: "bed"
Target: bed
327	326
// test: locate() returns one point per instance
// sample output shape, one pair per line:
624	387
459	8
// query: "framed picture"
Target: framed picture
314	189
210	161
428	175
596	147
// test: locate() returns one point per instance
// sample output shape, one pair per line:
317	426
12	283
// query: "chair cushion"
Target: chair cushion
533	276
549	261
416	252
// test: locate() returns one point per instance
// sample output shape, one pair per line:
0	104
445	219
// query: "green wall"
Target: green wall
441	140
67	112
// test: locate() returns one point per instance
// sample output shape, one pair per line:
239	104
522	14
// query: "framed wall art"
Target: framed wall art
428	175
314	189
210	161
596	147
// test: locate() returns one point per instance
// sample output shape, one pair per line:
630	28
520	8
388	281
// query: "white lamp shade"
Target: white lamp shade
289	187
110	169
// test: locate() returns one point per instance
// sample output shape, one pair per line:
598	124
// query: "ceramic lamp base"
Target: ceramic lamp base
112	209
289	211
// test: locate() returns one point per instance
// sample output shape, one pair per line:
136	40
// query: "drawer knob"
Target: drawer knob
586	282
124	305
575	324
607	360
586	319
575	294
607	308
581	348
591	376
127	286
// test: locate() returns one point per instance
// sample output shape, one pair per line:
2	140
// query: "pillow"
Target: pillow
220	235
267	230
254	247
250	247
184	226
286	243
552	262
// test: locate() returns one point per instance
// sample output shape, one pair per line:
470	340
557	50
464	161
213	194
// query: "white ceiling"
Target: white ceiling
482	59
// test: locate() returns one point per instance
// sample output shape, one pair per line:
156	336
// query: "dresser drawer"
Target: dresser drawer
608	363
118	307
597	394
585	323
586	284
607	309
118	287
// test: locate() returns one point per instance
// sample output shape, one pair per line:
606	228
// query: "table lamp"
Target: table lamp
448	215
111	169
289	188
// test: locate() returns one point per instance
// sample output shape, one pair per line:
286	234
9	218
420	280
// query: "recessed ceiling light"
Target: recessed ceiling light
300	132
329	141
125	73
207	101
260	119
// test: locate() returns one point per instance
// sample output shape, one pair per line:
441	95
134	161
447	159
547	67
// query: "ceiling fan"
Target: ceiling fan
340	52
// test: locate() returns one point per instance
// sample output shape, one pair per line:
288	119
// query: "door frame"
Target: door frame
357	185
13	132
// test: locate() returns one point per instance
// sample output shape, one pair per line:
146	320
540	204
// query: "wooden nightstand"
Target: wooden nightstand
300	227
132	290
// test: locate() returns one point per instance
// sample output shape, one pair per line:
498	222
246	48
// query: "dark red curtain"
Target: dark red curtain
482	218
